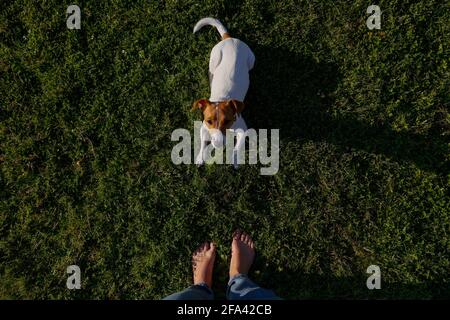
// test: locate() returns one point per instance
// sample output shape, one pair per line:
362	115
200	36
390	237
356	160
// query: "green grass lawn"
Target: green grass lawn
86	176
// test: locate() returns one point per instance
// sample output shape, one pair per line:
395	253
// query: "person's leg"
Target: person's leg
240	287
194	292
202	267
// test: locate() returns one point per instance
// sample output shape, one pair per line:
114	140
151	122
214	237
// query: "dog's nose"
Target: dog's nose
217	140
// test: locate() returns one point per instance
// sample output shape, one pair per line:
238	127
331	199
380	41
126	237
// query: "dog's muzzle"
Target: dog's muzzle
217	140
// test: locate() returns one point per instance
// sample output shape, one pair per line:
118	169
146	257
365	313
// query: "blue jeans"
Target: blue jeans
240	287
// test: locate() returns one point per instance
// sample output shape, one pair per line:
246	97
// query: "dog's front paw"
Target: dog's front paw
199	161
235	160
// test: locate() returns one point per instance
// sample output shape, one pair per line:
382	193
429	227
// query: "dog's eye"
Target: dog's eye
209	122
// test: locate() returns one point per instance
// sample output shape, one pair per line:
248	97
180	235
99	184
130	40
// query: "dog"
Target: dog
229	65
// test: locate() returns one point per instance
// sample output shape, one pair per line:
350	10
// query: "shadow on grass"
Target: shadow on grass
290	284
294	93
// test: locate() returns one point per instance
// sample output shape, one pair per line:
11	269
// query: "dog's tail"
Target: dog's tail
215	23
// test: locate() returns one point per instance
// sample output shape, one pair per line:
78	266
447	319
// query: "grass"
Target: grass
86	176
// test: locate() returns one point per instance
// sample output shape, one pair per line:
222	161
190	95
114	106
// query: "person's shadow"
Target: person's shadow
295	94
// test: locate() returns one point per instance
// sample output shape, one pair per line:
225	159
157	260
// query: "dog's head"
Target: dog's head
218	116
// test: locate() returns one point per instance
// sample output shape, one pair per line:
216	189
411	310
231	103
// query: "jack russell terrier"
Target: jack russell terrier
229	66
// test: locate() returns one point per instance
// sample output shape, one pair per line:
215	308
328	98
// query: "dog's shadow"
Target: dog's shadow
296	94
289	92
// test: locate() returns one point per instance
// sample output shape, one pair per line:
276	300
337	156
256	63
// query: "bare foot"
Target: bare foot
242	253
203	263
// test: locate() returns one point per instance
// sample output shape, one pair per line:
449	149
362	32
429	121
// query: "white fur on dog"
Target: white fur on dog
211	22
229	64
230	61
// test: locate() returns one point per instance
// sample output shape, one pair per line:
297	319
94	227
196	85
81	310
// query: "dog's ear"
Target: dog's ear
238	106
200	104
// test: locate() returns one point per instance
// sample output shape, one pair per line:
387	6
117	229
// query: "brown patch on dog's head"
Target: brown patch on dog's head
220	115
200	104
